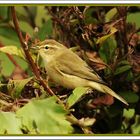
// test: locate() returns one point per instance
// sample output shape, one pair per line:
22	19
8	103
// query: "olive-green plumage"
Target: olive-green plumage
66	68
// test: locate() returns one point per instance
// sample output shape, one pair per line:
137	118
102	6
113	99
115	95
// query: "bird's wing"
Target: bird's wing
70	63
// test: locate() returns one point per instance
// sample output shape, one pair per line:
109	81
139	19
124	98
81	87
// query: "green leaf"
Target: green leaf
102	39
134	18
136	126
128	113
89	18
26	27
8	33
3	12
130	76
8	41
22	63
21	12
122	69
46	30
6	66
110	14
41	15
129	96
13	50
44	117
76	95
9	123
107	50
24	15
123	62
16	86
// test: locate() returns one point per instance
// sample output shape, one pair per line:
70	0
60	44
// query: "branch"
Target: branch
27	54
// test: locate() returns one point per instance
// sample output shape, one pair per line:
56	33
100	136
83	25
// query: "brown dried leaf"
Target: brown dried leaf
103	100
135	87
18	74
134	39
96	61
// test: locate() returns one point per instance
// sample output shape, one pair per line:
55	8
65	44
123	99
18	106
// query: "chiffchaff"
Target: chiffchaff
66	68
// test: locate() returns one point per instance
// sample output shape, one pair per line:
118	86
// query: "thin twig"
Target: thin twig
5	103
28	56
124	31
4	95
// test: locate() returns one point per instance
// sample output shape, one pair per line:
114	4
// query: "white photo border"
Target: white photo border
54	2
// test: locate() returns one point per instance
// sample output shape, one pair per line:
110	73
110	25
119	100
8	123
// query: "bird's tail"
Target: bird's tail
107	90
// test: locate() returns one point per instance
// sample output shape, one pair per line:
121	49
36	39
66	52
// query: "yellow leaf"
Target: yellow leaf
102	39
110	14
12	50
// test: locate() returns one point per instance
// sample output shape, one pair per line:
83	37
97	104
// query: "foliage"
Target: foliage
13	51
47	117
10	124
106	37
76	95
15	87
44	111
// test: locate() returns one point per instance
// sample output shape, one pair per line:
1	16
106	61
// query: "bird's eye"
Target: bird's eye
46	47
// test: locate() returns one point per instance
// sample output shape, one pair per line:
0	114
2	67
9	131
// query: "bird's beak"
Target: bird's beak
35	48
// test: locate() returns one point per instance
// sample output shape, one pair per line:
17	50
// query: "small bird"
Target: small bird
67	69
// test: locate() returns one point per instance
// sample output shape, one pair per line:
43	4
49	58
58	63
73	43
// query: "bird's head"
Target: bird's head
50	44
48	49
